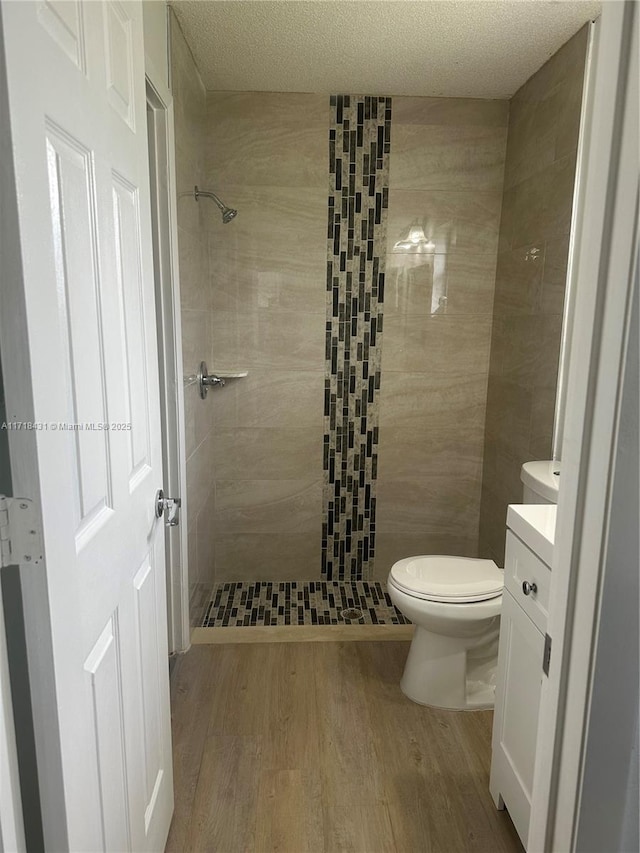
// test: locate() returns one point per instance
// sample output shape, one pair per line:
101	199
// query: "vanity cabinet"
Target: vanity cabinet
523	624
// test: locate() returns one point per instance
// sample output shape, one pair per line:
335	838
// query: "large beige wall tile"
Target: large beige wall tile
272	398
267	557
196	339
565	64
519	280
422	284
502	466
199	416
190	212
542	417
284	225
240	283
459	157
542	204
435	401
569	97
199	477
532	349
267	453
188	90
206	539
267	139
508	409
493	523
425	453
267	109
411	283
268	506
450	111
454	221
554	276
442	505
470	283
532	137
195	287
192	567
436	344
268	339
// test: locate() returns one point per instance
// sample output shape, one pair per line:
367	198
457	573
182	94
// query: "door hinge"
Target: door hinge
20	539
546	655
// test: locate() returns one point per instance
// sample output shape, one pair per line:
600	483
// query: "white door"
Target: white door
76	105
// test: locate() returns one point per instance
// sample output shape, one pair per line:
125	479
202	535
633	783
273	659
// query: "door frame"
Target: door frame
168	313
605	248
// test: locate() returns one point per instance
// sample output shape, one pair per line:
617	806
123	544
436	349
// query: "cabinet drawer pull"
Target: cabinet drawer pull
529	588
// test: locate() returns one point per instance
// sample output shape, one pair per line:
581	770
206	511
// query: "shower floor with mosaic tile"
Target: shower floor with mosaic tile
300	603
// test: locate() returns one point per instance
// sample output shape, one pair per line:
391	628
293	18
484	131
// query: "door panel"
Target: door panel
72	200
104	670
63	20
130	289
77	111
119	56
150	691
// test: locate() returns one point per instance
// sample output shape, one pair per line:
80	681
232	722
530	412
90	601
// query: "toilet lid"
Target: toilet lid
451	579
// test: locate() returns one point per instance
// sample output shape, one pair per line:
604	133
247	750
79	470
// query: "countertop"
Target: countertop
535	524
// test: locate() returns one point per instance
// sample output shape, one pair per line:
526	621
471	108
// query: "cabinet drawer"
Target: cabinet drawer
522	565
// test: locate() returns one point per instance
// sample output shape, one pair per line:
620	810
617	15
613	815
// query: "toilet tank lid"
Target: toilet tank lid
444	578
543	478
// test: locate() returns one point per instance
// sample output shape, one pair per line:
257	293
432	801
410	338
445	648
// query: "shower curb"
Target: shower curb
301	634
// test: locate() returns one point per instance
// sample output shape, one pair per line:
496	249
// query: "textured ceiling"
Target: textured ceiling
475	48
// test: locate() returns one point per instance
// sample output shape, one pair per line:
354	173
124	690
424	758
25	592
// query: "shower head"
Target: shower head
228	213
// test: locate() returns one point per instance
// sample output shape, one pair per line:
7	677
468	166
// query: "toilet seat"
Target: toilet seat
454	580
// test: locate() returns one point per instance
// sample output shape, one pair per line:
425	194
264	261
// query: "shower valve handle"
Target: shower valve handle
208	380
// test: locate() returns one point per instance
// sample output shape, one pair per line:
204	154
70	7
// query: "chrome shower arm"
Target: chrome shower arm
197	193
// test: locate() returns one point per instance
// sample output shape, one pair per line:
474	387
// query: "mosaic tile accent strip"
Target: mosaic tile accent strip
359	145
299	603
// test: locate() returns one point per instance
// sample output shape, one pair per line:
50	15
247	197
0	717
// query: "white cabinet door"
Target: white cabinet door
515	723
76	114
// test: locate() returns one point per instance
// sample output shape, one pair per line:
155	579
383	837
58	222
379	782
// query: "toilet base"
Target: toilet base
451	674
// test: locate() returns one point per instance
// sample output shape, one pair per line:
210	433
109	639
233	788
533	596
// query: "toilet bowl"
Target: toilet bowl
454	603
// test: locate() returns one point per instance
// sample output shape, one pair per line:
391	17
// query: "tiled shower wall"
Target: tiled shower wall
196	302
446	172
268	155
540	169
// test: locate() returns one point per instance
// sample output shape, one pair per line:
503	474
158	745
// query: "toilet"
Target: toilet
454	603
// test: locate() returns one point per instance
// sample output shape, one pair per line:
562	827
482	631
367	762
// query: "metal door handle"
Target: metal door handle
529	587
207	380
169	507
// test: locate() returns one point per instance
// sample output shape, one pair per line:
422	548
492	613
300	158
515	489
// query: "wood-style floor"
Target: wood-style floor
302	747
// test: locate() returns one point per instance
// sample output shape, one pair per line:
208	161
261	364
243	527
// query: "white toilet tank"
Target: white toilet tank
541	481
